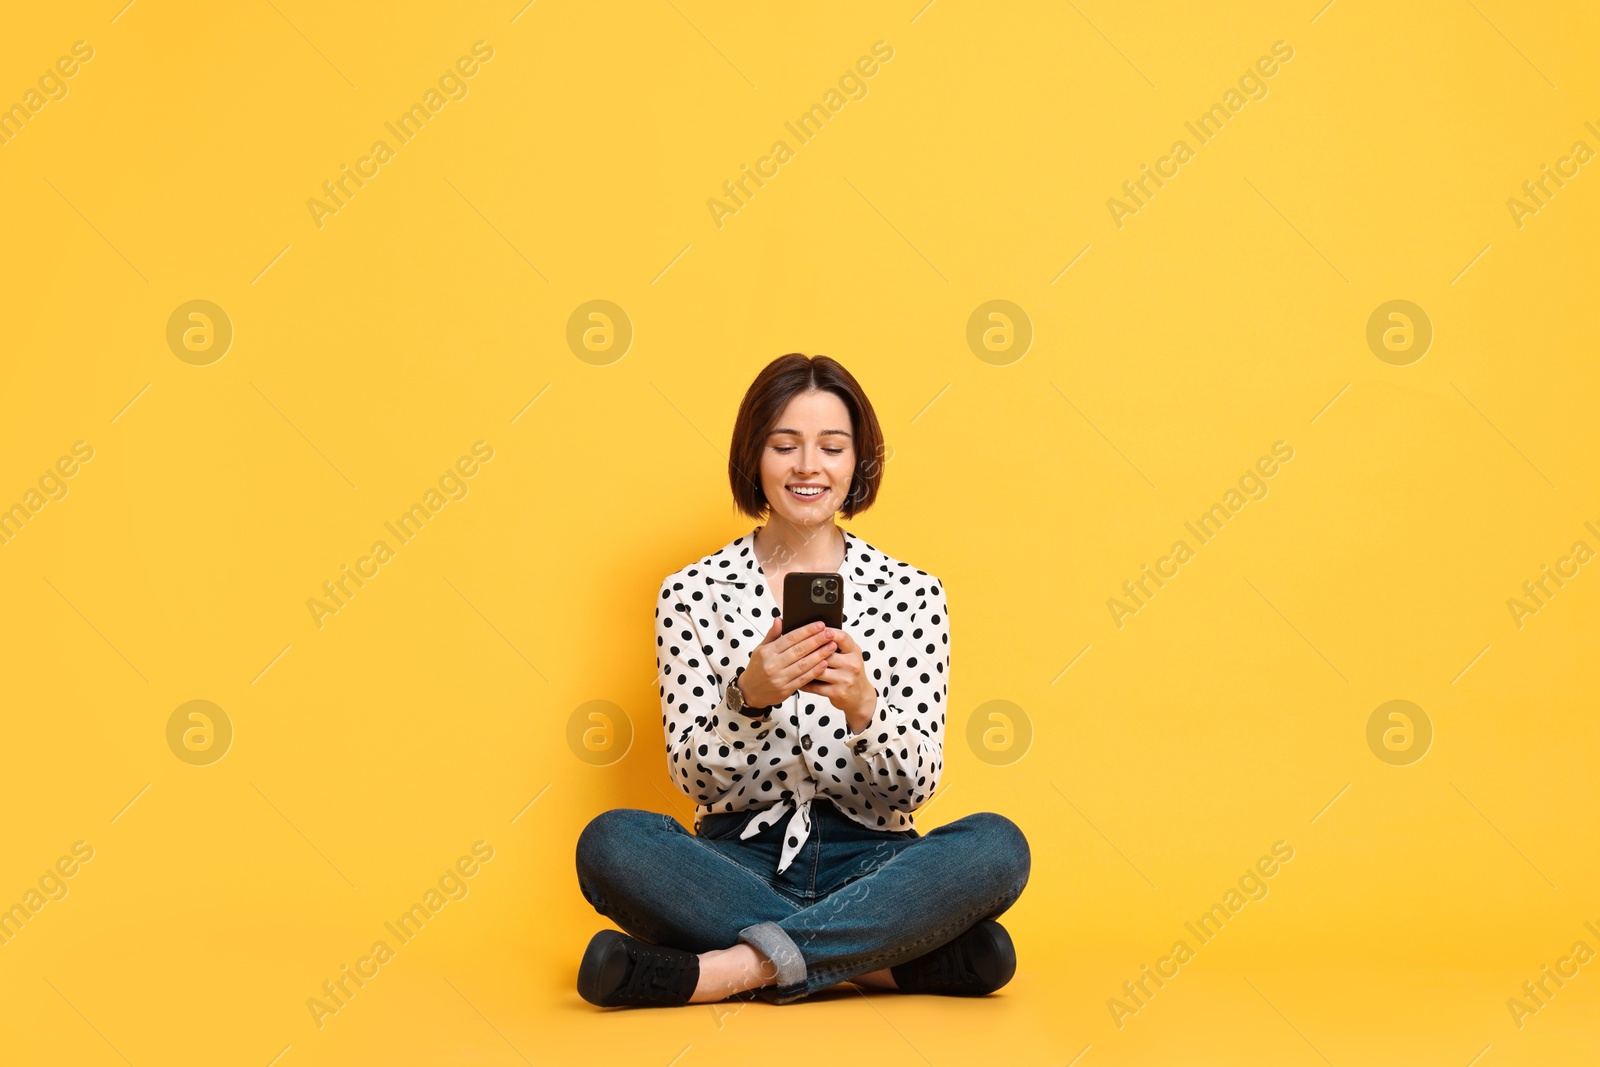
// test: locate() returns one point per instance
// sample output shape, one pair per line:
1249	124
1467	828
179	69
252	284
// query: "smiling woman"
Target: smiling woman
806	751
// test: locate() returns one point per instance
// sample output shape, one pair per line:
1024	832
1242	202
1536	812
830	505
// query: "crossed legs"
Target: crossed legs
664	885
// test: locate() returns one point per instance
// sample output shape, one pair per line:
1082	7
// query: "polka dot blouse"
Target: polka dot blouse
710	616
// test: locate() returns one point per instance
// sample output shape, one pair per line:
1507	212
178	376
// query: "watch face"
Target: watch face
735	698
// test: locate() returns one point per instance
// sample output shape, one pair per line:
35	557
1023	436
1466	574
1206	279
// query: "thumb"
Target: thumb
774	631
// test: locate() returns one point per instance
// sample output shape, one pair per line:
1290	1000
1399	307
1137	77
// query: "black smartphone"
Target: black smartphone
809	596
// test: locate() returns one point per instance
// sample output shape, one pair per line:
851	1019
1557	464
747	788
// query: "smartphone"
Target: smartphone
809	596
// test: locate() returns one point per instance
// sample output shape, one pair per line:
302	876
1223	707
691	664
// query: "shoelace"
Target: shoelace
655	974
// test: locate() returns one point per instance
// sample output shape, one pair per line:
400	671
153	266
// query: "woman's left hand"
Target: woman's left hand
845	683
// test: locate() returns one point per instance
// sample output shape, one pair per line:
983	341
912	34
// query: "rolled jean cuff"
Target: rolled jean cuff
773	942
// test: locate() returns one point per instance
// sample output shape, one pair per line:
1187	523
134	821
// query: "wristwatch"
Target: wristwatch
735	701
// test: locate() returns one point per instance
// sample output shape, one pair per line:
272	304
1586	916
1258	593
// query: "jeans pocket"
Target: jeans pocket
721	825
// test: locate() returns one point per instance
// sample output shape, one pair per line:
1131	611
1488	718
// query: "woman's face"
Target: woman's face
811	448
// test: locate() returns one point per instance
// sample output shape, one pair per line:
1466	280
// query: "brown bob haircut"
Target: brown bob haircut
777	384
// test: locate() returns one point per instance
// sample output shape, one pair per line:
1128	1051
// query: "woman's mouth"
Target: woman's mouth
807	493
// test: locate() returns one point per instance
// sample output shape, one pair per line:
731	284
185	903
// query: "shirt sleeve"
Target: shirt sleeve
901	752
710	750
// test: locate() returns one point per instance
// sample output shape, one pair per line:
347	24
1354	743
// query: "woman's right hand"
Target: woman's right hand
784	662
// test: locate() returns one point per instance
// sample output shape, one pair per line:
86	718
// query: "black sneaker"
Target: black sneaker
978	962
621	972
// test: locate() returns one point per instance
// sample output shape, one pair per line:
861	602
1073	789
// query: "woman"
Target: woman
806	752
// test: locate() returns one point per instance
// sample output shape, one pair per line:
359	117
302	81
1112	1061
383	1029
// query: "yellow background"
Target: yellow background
426	715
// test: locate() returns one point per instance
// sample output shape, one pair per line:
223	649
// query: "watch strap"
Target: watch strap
746	709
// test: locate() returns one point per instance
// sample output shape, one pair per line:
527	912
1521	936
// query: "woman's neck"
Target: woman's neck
781	546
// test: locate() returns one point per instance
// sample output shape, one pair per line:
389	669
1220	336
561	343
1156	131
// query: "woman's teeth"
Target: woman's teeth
809	494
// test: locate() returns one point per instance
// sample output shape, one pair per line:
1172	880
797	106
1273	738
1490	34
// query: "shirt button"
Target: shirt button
805	742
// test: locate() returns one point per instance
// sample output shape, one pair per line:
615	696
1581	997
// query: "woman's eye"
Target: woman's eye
783	448
833	451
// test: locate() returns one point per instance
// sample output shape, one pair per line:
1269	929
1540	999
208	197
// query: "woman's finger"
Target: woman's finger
786	642
814	676
845	642
804	667
800	649
807	650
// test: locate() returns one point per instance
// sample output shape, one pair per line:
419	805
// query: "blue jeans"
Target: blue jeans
854	900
